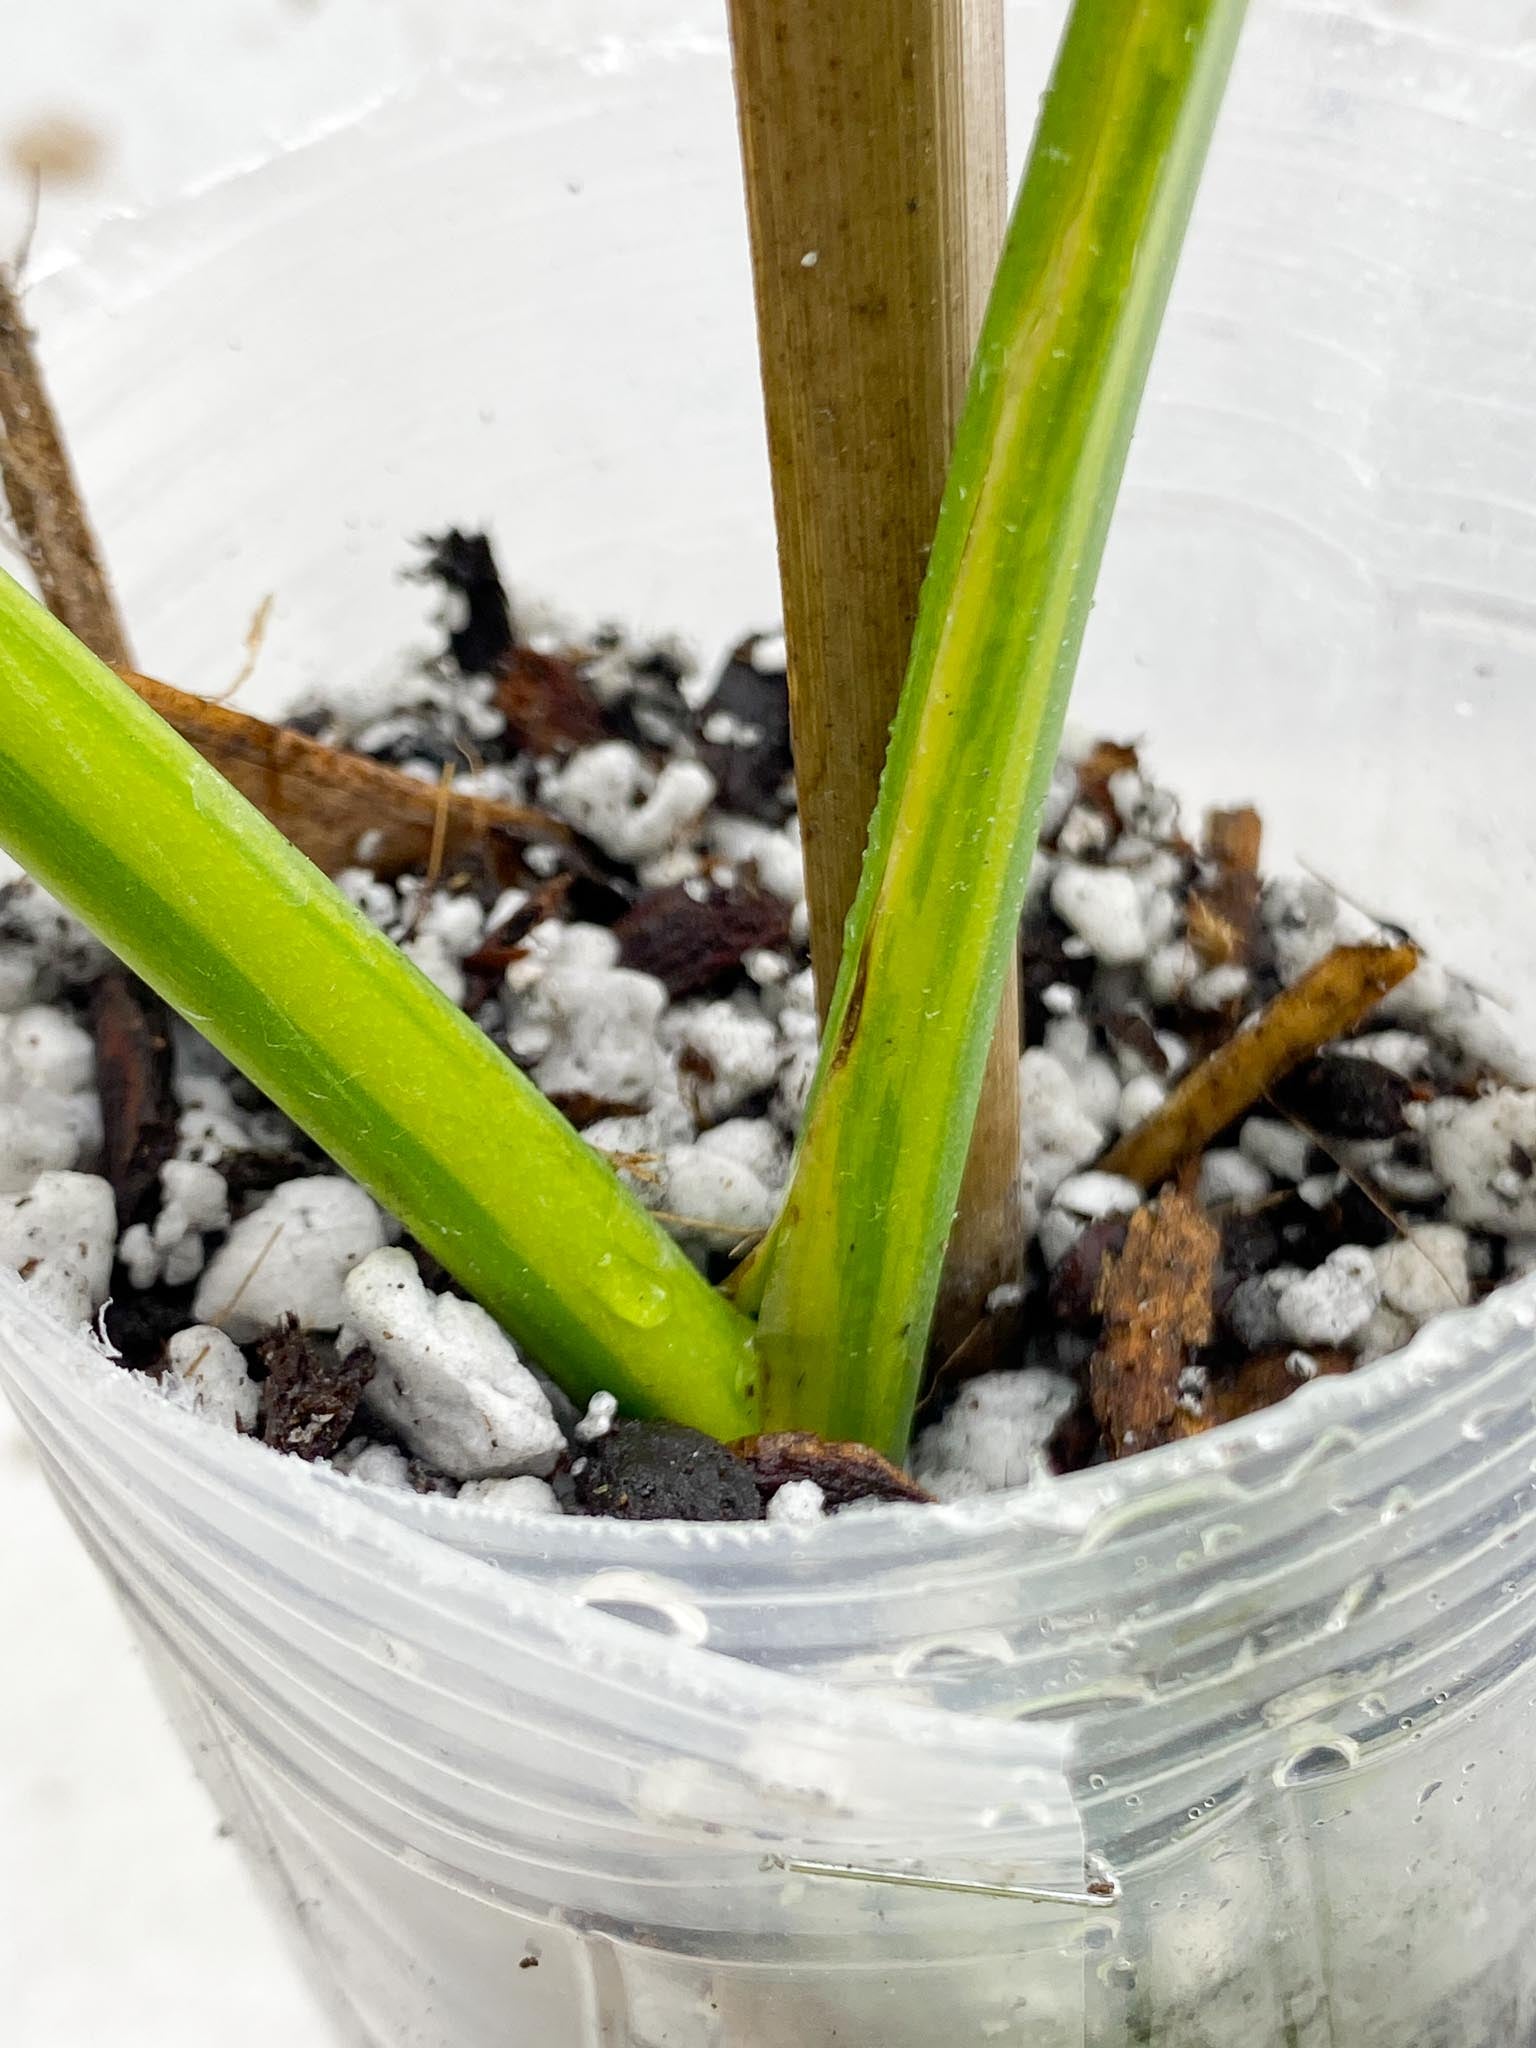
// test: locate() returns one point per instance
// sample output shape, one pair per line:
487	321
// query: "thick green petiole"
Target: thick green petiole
845	1286
154	850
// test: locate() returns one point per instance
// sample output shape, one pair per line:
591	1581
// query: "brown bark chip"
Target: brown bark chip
1155	1298
1223	913
844	1472
1270	1376
312	1391
690	943
326	800
549	706
132	1029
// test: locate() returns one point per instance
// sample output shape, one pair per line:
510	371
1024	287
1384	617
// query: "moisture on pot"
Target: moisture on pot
1241	1174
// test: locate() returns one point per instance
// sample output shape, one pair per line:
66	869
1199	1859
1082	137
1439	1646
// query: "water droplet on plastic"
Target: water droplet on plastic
1220	1538
1430	1790
1399	1502
1483	1422
1317	1762
646	1602
1361	1594
1096	1781
1133	1799
629	1291
987	1646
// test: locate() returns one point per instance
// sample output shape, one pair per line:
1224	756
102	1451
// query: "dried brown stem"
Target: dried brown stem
1328	1002
872	136
40	487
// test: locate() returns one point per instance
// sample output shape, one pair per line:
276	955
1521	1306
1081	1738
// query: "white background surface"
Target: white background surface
125	1920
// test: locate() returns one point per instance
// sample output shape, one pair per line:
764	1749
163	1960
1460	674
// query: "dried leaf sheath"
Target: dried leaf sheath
326	800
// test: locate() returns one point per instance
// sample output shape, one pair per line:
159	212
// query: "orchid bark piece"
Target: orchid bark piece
329	802
847	1282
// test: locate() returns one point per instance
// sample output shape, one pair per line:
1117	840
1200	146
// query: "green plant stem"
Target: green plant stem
846	1283
188	884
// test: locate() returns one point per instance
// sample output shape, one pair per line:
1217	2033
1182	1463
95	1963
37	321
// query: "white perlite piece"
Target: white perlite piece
1104	907
290	1257
1386	1332
711	1187
776	855
50	1117
1478	1149
1081	1199
592	1031
521	1496
1452	1013
996	1434
60	1237
43	948
610	793
1424	1272
797	1501
1333	1303
1229	1175
1142	1094
1254	1310
735	1047
449	929
598	1420
753	1142
1278	1147
205	1371
193	1198
1095	1081
1056	1136
376	1464
449	1381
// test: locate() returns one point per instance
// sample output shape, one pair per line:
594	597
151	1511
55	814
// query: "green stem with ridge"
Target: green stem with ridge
845	1284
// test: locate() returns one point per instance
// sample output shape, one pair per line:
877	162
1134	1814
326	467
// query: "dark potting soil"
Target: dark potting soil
651	974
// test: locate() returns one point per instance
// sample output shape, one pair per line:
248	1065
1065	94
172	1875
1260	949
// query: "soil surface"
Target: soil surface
1264	1142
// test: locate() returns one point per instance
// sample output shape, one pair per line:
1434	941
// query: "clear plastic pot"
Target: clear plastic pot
549	1783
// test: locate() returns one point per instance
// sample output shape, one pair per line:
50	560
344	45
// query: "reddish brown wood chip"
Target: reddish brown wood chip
844	1472
1223	910
1109	757
582	1109
132	1029
1329	1001
690	944
1268	1377
312	1391
549	705
325	799
1155	1298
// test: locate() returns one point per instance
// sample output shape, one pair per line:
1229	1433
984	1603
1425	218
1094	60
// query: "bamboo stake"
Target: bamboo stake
872	138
